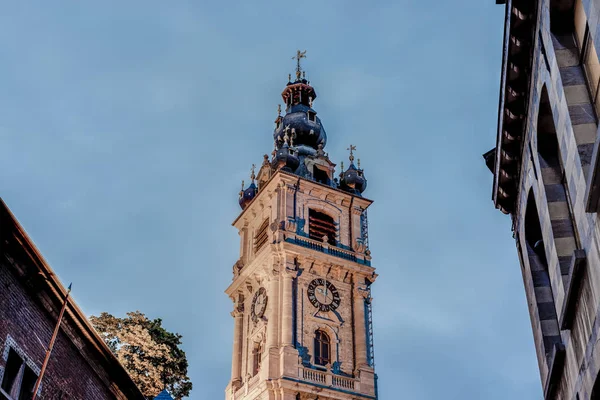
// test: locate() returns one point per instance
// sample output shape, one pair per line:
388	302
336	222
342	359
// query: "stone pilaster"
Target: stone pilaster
287	323
236	361
273	311
360	334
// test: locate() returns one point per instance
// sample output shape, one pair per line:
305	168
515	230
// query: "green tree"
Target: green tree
149	353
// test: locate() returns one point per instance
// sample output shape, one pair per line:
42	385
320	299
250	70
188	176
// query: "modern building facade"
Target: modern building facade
81	366
545	166
301	288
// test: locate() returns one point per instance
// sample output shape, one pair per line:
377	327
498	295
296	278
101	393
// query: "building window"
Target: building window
257	358
320	175
19	380
261	236
588	55
322	348
312	116
320	226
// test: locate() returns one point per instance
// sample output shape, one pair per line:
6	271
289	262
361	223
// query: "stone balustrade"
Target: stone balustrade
327	379
327	248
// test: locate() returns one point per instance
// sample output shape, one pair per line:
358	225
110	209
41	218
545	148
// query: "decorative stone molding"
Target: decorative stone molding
359	246
291	225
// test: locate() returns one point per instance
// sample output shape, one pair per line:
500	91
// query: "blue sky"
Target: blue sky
125	130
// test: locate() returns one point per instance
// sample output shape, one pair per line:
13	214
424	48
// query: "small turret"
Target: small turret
247	195
353	179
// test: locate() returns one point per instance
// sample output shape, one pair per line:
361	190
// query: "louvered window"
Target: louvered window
321	225
261	236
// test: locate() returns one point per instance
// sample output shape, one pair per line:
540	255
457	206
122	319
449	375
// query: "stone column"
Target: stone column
273	302
236	362
287	312
360	334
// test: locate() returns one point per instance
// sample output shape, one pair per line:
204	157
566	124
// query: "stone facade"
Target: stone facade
81	366
284	268
545	170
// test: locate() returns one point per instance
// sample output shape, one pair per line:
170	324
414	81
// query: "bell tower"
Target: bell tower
301	288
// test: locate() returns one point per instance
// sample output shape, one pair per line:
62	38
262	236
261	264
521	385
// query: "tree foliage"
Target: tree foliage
149	353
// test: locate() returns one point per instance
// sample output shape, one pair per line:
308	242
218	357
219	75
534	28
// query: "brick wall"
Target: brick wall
27	328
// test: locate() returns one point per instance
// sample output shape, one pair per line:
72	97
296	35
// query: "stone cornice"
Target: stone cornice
515	86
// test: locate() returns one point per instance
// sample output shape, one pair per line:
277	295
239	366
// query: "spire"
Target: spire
351	148
299	56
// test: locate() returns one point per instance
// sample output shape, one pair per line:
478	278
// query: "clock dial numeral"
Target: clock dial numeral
323	295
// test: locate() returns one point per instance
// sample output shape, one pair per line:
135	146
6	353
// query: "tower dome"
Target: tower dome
353	179
248	194
300	121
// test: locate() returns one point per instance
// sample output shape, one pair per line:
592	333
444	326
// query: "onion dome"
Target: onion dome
247	195
353	179
300	118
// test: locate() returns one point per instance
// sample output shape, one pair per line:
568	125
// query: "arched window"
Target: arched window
322	348
580	71
321	225
257	358
555	185
544	297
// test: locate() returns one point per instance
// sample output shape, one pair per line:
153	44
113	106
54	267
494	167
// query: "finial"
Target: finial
279	110
289	78
293	137
351	148
310	99
252	176
299	55
358	163
303	74
265	159
342	166
242	191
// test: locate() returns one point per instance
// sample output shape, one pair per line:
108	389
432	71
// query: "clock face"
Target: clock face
259	303
323	295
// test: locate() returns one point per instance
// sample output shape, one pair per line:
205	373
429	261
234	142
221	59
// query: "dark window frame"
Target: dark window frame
19	379
322	348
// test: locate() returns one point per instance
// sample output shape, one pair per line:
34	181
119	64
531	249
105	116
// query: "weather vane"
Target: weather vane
351	148
299	55
279	110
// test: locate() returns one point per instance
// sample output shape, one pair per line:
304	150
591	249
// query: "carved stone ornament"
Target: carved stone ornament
237	267
359	246
290	225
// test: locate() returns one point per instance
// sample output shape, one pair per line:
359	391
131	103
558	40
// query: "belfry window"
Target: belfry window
19	380
261	236
256	358
320	175
312	116
322	348
321	225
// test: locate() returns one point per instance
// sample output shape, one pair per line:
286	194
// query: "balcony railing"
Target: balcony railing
327	249
327	379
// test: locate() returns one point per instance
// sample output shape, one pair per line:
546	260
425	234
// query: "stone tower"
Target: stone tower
301	287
